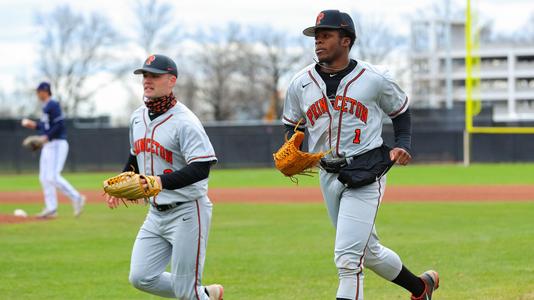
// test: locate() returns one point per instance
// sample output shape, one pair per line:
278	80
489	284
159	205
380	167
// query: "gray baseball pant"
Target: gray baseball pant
353	213
179	236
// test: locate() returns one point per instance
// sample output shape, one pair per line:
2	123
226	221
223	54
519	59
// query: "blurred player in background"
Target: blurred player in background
53	154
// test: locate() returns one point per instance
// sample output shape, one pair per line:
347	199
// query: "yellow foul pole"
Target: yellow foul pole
468	85
468	69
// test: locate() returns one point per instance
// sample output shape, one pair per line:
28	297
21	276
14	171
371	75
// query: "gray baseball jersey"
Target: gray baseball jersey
180	234
350	124
167	144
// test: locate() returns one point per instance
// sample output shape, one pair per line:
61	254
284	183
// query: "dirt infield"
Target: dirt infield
9	219
312	195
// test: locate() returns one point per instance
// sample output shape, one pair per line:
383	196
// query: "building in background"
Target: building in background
438	71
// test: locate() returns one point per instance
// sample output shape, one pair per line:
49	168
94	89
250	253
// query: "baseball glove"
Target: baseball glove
291	161
33	142
127	185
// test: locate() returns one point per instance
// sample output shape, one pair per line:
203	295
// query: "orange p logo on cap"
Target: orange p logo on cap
319	18
150	59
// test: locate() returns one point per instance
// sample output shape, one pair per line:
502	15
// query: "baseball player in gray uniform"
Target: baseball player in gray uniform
342	103
168	141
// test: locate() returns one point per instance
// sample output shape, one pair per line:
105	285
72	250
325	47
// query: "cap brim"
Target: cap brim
151	70
310	31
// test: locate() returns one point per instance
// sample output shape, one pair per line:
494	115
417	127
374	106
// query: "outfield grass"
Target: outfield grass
281	252
409	175
482	251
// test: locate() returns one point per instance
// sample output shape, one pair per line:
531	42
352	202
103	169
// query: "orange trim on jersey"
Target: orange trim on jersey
295	123
200	157
361	264
394	114
151	154
327	110
144	137
198	250
341	110
358	285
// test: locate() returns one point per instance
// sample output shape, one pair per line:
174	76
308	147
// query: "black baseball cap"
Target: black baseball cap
332	19
158	64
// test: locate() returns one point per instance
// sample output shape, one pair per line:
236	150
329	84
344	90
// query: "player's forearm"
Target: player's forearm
289	130
131	163
187	175
55	130
402	127
39	126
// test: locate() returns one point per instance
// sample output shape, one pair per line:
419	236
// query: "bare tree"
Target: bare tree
375	40
279	56
156	29
155	32
187	89
251	91
218	61
73	49
242	71
22	101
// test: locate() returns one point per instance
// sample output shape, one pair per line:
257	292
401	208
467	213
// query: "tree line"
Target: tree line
232	72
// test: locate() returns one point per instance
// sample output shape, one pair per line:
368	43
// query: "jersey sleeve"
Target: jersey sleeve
131	138
195	144
56	121
392	99
292	112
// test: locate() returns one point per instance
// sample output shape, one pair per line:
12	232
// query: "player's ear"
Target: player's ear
345	41
172	79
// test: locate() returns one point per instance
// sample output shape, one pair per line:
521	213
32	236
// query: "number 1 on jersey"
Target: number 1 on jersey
357	134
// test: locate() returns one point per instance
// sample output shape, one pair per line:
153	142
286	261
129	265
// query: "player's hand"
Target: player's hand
44	139
28	123
400	156
112	202
145	185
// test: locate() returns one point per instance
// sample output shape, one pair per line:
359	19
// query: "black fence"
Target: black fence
252	145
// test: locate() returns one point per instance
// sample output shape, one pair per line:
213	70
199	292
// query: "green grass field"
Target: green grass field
409	175
283	251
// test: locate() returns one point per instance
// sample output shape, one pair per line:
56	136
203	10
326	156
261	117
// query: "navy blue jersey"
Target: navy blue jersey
52	121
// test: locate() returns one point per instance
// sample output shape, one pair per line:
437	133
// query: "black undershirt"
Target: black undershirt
152	115
402	127
332	79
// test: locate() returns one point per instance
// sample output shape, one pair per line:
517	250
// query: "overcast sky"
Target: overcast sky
19	40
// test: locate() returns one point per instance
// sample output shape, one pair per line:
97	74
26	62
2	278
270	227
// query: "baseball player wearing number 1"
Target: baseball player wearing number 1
342	102
168	141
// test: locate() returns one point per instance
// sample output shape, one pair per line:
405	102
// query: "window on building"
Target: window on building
525	59
525	83
494	84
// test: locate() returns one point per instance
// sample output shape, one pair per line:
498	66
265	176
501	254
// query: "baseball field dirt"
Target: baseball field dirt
298	194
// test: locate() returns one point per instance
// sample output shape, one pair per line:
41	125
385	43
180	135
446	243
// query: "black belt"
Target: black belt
164	207
334	165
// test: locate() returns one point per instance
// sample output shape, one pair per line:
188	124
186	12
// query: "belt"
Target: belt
164	207
335	165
